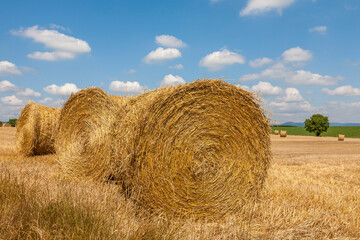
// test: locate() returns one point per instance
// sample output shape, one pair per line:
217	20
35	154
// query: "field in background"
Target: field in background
351	132
312	192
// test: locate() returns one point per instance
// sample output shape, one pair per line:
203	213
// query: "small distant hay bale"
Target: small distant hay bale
7	125
82	145
341	137
36	129
276	132
200	149
283	133
1	124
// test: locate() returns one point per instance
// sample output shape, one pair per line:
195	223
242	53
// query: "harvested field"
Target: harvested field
312	192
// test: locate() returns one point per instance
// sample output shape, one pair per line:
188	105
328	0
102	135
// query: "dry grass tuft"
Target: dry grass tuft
283	133
82	144
36	129
200	149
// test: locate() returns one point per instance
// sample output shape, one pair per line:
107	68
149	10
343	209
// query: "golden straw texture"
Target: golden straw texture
341	137
283	133
200	149
82	145
276	132
36	129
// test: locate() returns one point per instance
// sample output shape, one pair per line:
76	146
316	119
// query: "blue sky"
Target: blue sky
302	57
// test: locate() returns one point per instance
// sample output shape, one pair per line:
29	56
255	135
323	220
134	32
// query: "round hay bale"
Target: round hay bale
1	124
82	145
7	125
283	133
341	137
276	132
200	149
36	129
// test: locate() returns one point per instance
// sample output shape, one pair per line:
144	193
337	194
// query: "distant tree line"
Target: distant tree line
12	122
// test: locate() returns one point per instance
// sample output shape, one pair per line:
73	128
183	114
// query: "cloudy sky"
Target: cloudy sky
301	56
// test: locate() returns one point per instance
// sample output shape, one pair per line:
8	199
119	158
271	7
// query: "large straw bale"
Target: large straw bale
341	137
1	124
200	149
276	132
7	125
283	133
82	146
36	129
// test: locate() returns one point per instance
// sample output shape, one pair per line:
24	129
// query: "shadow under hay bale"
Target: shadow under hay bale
283	133
82	145
341	137
276	132
200	149
36	129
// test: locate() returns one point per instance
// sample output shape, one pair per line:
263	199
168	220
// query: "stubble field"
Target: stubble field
312	192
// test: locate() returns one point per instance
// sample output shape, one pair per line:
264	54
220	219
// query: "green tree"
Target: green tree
12	122
317	124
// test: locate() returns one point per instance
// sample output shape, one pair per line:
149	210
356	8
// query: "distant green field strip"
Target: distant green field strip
351	132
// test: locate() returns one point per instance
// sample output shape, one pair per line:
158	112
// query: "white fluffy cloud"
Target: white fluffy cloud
12	100
51	56
244	87
219	59
9	111
347	90
249	77
65	90
126	87
297	54
343	112
28	93
259	62
6	86
292	107
8	68
177	66
161	54
171	80
302	77
277	71
256	7
64	46
55	26
319	29
292	95
266	88
46	100
169	41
